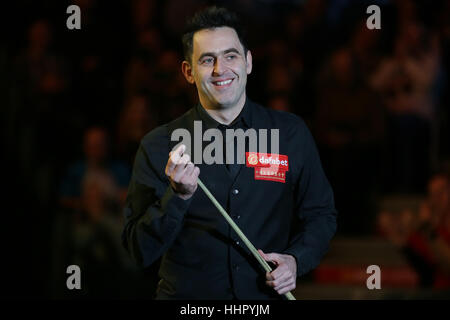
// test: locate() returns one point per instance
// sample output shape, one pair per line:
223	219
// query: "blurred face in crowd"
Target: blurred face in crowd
439	192
137	118
40	34
218	67
95	145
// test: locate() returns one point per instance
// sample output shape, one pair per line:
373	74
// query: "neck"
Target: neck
225	115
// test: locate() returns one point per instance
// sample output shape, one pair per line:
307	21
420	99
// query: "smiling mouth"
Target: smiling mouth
223	83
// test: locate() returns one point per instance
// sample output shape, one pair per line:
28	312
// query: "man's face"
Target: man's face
218	67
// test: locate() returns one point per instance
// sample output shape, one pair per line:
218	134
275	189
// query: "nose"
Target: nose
219	66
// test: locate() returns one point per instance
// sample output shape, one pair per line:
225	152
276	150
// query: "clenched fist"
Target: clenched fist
182	173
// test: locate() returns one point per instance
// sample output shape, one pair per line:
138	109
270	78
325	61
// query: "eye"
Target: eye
207	61
231	57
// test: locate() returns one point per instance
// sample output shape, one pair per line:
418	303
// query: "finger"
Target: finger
281	270
170	166
265	256
180	168
281	282
262	254
177	153
196	173
174	157
286	289
178	173
189	169
274	257
268	274
277	281
184	160
287	283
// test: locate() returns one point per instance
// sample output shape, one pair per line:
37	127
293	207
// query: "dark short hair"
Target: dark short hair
210	18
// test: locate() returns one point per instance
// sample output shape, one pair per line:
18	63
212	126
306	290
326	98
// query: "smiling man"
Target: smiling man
283	203
218	64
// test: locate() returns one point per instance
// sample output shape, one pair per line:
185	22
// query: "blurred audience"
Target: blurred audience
375	100
91	239
406	82
95	240
349	126
280	102
114	175
39	85
424	236
135	120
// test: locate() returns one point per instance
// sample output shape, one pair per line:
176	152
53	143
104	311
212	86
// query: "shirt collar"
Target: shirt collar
209	122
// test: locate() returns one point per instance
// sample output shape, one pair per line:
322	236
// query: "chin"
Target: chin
226	101
225	104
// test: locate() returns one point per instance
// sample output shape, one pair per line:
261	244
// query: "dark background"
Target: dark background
376	102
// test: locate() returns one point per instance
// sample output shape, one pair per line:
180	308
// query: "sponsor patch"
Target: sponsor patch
268	166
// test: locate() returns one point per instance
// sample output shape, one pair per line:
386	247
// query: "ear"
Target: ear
249	62
187	71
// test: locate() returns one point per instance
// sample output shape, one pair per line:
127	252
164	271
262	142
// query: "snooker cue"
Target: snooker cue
241	235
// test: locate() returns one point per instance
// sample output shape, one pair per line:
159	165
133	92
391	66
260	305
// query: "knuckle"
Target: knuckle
174	178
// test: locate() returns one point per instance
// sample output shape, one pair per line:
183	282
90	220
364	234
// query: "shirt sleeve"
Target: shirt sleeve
314	206
154	214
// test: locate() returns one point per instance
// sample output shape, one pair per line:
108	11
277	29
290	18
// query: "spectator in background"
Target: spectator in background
282	74
170	86
279	79
114	175
365	49
349	124
405	82
44	67
142	64
428	246
90	238
154	71
134	122
144	14
280	102
39	87
424	237
95	240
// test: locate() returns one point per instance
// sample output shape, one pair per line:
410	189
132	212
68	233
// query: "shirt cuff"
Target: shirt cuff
175	207
301	256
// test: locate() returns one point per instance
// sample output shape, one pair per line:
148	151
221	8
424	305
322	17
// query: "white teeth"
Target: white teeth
221	83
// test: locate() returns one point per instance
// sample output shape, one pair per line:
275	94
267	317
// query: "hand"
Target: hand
182	173
284	278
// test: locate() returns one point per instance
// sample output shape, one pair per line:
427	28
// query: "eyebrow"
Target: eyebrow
212	54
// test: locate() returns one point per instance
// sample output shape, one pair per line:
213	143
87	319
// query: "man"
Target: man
289	217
